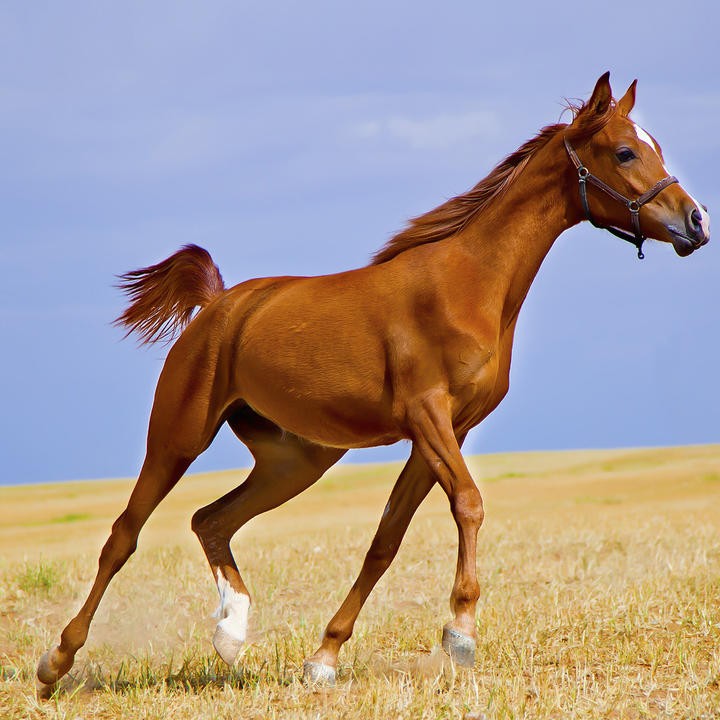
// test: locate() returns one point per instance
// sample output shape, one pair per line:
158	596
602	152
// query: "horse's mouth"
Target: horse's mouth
685	245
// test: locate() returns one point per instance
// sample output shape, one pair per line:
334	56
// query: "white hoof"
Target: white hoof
226	645
459	647
231	631
315	673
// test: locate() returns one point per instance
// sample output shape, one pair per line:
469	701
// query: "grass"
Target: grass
71	518
600	577
38	577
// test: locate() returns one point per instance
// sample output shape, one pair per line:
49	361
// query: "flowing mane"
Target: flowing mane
454	214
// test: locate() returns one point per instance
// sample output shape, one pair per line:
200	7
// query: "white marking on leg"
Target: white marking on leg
233	609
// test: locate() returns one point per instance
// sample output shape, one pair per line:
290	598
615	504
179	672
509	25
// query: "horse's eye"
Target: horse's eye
625	155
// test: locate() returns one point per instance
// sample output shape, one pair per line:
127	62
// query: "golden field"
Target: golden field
600	575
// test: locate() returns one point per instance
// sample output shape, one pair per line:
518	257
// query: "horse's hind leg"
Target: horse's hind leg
410	490
285	465
154	482
182	424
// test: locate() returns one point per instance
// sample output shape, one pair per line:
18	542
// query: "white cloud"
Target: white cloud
434	132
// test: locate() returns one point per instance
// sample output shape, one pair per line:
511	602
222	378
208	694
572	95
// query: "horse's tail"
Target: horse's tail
163	297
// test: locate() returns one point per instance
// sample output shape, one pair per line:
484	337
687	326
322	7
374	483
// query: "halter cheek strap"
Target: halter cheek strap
585	177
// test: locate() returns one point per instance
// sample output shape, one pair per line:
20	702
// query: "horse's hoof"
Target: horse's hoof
459	647
315	673
52	667
226	646
44	691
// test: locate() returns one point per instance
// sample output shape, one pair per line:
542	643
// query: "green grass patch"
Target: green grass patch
38	578
70	518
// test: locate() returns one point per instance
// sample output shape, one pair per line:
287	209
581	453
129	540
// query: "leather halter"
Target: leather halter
585	177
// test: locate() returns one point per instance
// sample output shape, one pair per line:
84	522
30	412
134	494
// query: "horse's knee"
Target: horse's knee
468	507
380	558
122	542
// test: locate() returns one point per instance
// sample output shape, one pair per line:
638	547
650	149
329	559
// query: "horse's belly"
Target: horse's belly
331	398
347	423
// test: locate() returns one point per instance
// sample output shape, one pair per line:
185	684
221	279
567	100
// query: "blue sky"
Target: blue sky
296	138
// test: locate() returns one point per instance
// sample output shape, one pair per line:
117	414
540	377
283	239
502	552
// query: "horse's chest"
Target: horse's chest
473	372
478	382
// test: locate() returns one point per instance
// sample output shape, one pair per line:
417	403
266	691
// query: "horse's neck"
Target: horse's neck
510	240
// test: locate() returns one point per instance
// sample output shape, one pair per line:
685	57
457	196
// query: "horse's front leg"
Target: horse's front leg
410	490
430	422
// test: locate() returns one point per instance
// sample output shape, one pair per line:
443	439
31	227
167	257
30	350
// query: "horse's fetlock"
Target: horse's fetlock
73	636
336	636
465	594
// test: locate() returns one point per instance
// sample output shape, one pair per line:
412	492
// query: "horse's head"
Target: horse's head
624	184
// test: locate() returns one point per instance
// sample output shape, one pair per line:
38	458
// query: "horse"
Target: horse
416	346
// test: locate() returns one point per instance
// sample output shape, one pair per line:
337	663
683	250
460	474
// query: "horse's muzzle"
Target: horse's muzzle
694	232
686	244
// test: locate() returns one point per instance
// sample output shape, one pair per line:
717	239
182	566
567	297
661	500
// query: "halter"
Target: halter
585	177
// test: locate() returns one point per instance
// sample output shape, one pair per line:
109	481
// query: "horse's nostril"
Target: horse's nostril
696	220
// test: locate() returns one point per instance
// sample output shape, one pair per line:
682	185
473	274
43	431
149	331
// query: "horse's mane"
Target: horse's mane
454	215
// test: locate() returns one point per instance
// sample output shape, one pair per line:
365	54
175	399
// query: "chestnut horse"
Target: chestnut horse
414	346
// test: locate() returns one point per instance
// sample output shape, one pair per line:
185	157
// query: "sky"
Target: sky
297	138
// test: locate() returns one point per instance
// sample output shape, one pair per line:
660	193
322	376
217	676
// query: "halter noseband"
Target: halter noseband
585	177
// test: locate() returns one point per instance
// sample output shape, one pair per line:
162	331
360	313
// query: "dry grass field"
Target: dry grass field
600	575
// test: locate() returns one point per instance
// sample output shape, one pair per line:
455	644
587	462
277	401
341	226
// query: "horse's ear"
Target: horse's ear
601	96
627	101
